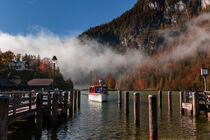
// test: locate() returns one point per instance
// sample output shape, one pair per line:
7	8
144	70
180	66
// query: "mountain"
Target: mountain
139	27
174	36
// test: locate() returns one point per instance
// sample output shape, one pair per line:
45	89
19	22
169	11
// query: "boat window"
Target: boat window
97	90
104	90
91	89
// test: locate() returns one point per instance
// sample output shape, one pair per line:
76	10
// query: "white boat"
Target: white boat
98	93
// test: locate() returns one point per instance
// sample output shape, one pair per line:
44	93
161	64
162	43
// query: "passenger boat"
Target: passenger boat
98	93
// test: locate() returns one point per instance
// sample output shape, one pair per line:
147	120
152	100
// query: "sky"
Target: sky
61	17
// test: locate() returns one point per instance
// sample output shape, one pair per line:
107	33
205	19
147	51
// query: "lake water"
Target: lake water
107	121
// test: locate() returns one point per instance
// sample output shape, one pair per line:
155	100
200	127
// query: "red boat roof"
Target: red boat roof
98	86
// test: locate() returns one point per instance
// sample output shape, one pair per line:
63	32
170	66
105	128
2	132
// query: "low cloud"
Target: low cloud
75	59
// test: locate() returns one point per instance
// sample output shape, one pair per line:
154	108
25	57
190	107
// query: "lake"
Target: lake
107	121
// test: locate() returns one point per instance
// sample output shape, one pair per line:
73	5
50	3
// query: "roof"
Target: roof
40	82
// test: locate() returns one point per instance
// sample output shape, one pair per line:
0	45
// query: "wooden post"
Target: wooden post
39	112
119	99
126	102
169	101
78	100
160	99
14	104
55	106
74	101
136	99
49	100
195	104
153	130
4	105
66	95
71	102
30	101
181	101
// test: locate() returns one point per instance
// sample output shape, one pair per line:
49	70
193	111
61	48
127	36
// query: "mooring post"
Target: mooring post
126	102
4	105
136	99
14	104
181	101
30	101
49	101
75	101
55	106
78	97
71	102
119	99
153	130
169	101
66	95
195	104
160	99
39	112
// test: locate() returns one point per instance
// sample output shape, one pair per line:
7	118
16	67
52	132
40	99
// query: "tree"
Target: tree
111	83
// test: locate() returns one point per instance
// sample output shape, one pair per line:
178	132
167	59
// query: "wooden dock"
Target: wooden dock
17	105
197	102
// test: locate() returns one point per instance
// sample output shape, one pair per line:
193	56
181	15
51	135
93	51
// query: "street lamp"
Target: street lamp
204	73
54	61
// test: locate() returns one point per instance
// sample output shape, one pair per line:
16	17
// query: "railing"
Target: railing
16	105
21	104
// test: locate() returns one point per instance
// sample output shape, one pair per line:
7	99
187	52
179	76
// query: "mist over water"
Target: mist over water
77	59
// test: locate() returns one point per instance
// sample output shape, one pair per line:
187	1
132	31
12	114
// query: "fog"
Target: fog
76	60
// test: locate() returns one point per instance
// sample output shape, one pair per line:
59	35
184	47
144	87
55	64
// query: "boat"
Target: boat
98	93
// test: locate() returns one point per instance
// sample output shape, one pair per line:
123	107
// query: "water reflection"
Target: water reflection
107	121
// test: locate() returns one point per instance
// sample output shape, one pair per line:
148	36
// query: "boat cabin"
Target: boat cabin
98	89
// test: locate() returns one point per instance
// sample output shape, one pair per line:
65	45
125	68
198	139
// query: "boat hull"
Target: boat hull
98	97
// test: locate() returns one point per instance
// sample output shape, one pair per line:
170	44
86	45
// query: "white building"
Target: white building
18	65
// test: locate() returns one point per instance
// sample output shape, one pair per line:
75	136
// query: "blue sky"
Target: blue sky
58	16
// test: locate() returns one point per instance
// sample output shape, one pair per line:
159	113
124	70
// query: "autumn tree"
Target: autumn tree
111	83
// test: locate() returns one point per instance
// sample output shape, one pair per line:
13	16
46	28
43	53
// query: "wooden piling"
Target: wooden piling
126	102
30	99
39	111
78	100
119	99
66	95
75	101
55	106
160	99
49	100
169	101
4	105
71	102
153	130
181	101
14	104
136	99
195	104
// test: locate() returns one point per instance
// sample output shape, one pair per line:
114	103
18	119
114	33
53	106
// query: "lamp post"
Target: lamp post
204	73
54	61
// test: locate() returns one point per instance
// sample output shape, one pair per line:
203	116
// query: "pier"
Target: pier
194	102
17	105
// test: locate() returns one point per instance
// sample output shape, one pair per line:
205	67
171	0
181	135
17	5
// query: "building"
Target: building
39	84
18	65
